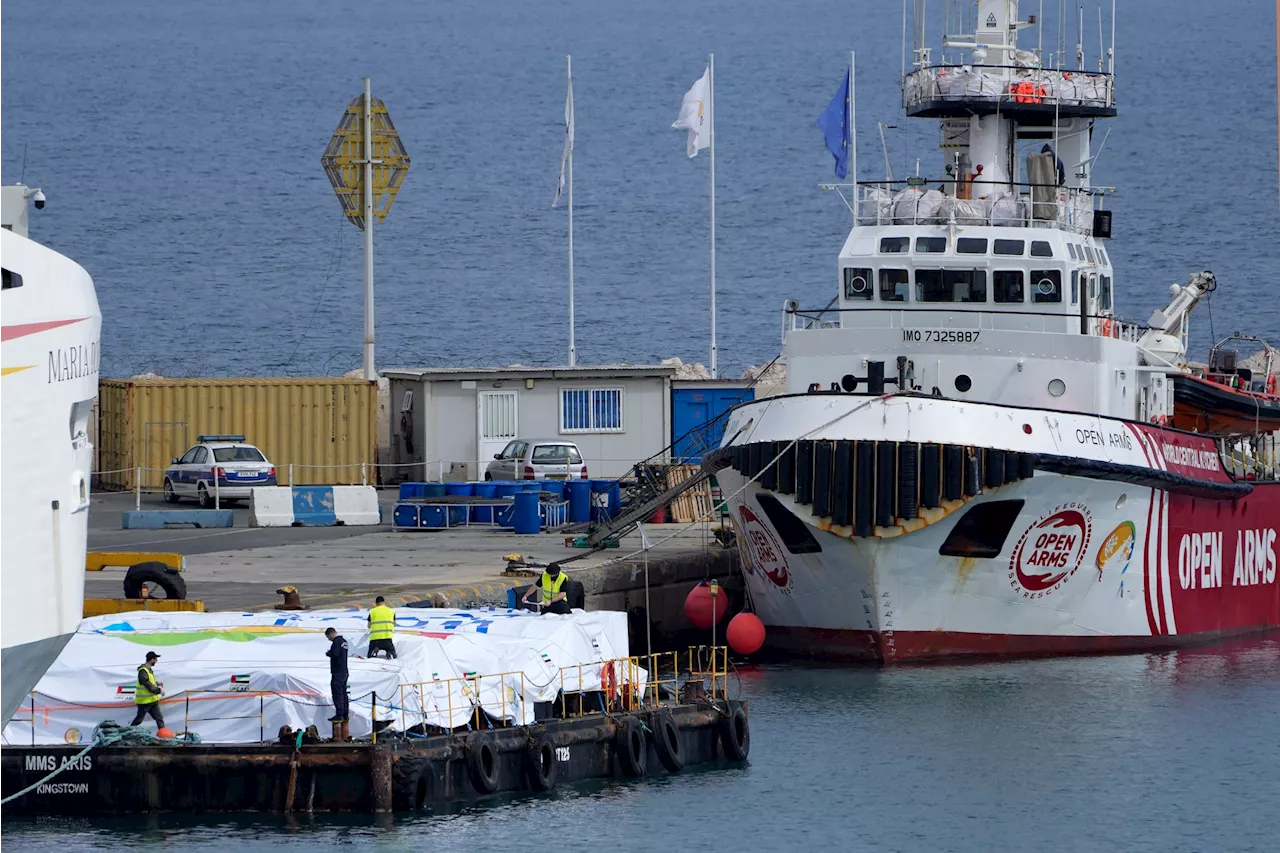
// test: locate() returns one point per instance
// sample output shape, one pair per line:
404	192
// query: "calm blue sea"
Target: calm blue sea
179	144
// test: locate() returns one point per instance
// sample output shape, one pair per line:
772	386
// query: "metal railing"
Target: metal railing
959	319
998	204
1009	86
1254	457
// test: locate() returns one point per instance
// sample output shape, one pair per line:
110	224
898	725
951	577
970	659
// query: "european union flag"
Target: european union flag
834	124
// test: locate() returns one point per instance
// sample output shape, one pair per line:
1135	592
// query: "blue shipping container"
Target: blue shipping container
692	413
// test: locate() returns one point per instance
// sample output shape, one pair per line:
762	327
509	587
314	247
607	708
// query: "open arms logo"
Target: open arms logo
763	553
1051	550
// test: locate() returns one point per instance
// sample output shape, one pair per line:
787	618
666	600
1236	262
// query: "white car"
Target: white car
538	459
226	460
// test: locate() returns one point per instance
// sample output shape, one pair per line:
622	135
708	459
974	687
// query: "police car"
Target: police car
226	460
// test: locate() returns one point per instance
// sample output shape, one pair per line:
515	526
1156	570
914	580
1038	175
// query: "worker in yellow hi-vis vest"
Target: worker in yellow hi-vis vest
550	591
382	626
147	692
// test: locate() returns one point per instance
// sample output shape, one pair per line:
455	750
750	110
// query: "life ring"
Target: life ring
1160	420
735	733
1273	380
629	744
541	766
609	683
482	762
1106	328
667	741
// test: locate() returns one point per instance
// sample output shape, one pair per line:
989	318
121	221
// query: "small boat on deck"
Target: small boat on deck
1226	399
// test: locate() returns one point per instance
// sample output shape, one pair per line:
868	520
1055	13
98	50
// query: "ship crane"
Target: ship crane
1165	340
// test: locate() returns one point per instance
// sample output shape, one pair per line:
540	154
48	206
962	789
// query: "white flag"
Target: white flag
568	139
645	542
695	114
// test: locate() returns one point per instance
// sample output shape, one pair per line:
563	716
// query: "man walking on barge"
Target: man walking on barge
337	655
147	693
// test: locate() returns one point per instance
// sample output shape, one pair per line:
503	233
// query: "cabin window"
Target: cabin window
894	245
1088	253
1008	286
1071	249
1075	287
983	530
857	283
1103	255
931	245
1106	293
1041	249
894	285
1093	287
795	534
1046	286
971	245
591	410
1010	247
951	286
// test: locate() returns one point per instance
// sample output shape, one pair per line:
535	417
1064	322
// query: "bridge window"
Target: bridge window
857	283
1106	293
1075	287
1041	249
951	286
1046	286
971	245
931	245
1103	255
1088	253
1010	247
1071	249
894	245
894	285
1008	286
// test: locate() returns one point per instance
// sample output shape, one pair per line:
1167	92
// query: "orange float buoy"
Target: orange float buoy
745	633
164	731
704	608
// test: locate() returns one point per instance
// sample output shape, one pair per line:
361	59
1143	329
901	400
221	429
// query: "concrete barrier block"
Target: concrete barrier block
271	507
356	505
155	519
313	506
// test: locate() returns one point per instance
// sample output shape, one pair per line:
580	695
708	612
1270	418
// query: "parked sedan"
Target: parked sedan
225	460
537	459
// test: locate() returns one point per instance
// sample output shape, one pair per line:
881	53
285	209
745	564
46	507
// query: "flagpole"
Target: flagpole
573	352
711	75
853	134
369	371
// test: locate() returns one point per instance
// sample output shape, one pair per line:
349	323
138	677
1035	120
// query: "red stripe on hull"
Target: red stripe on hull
898	647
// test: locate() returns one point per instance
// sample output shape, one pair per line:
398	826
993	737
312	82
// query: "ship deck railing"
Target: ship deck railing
950	90
961	318
951	202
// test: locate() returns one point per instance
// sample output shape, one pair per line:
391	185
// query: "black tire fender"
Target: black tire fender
632	748
735	733
482	763
541	764
667	741
154	572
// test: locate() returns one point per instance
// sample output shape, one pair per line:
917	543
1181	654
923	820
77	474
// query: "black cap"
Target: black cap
553	569
379	600
152	655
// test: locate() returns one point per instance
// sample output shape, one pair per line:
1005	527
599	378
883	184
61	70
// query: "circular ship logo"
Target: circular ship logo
763	553
1051	550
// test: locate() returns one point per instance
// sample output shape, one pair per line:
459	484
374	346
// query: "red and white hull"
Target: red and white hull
1144	543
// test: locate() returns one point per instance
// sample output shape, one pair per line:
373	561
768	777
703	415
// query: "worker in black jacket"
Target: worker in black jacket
337	655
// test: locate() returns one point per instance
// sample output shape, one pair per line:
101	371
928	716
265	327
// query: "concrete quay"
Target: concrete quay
241	568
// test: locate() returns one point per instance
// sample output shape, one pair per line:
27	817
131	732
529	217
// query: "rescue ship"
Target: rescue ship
975	454
52	328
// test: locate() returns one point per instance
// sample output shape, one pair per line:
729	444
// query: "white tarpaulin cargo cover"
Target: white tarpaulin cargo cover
239	677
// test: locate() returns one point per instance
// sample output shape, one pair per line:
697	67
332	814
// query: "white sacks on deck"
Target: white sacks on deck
239	677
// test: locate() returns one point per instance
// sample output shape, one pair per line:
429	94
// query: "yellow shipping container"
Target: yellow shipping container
325	428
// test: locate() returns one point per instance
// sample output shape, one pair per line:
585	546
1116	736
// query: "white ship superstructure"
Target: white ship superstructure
974	453
51	331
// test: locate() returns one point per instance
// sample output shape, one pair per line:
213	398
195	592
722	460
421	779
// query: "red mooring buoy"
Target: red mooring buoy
703	609
745	633
164	731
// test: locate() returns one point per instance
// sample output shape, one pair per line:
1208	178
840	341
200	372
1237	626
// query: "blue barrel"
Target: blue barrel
405	515
458	514
525	518
484	514
502	515
579	494
606	499
556	489
433	517
532	485
408	491
432	490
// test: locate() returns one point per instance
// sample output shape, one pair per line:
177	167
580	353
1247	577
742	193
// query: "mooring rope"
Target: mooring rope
106	733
